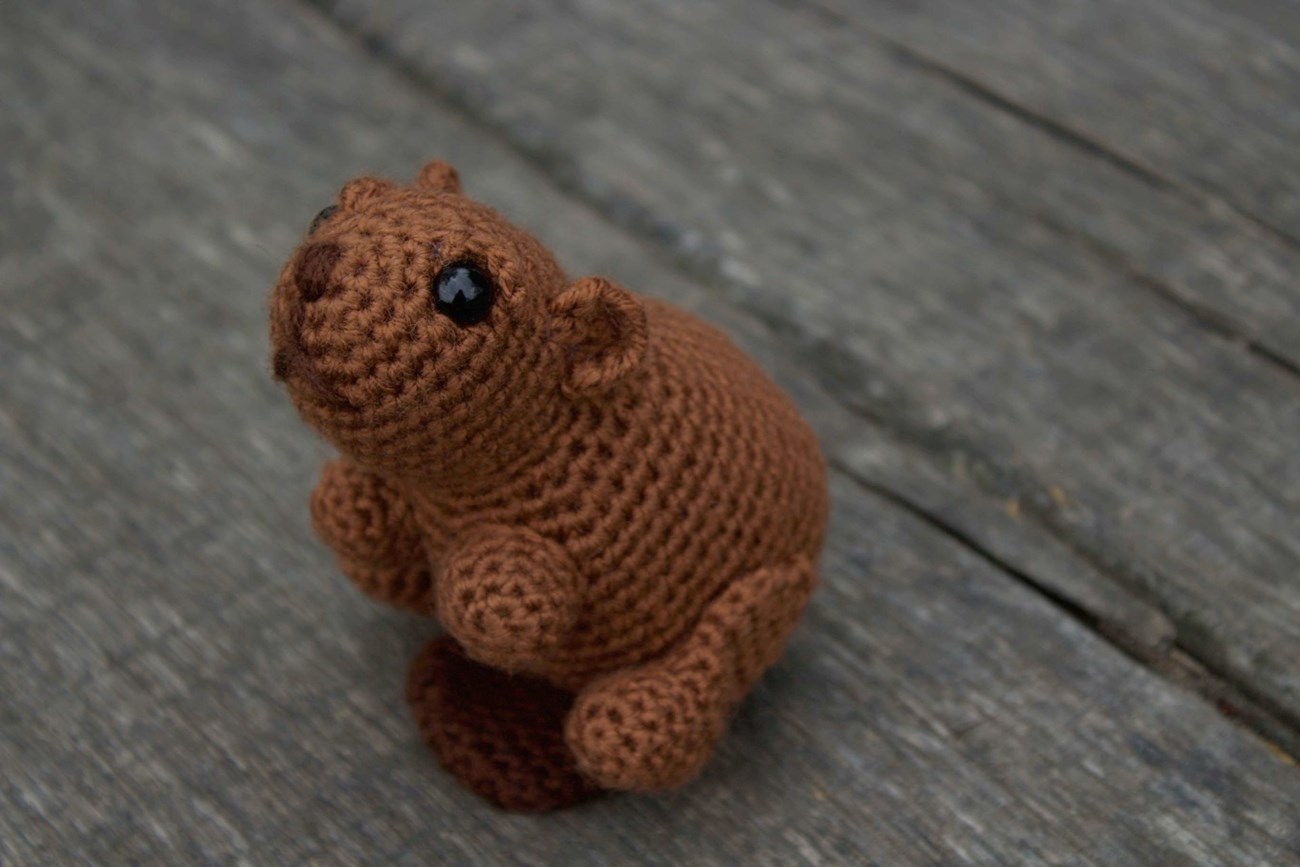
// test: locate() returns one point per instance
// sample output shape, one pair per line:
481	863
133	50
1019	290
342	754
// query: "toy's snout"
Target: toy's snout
313	274
311	279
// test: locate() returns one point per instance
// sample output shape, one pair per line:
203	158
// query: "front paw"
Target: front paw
365	519
509	596
408	586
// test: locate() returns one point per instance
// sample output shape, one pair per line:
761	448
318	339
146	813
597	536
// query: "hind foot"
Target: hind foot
655	725
501	735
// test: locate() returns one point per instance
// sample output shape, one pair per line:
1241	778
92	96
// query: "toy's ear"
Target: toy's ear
438	176
358	192
603	327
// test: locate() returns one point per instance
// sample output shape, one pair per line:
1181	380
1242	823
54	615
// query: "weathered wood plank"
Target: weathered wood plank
947	267
185	678
1193	91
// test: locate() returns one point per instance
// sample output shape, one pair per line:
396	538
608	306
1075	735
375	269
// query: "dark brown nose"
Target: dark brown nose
315	267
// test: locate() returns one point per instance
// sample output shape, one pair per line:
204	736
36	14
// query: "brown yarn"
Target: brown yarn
501	735
598	495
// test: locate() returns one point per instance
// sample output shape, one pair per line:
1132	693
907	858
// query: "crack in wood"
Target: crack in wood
1193	667
1211	320
1176	662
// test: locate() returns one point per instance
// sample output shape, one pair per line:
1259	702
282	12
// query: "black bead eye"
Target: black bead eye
325	213
464	293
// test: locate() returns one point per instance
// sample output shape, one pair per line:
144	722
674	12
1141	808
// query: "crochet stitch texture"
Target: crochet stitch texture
614	513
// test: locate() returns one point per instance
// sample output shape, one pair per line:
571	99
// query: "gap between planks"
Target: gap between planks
1171	660
1060	131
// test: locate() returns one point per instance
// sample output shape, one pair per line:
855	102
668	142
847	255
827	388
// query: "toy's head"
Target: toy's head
423	334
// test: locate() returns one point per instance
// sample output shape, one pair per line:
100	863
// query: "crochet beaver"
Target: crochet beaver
612	511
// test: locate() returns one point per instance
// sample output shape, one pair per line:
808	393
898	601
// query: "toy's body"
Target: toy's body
597	494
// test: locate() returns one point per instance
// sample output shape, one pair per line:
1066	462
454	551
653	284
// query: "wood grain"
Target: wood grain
185	677
1194	99
1007	300
1194	92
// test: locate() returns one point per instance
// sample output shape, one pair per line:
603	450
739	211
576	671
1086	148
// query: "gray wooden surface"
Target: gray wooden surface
1029	269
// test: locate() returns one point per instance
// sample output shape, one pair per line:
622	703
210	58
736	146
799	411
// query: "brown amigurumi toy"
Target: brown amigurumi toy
613	512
